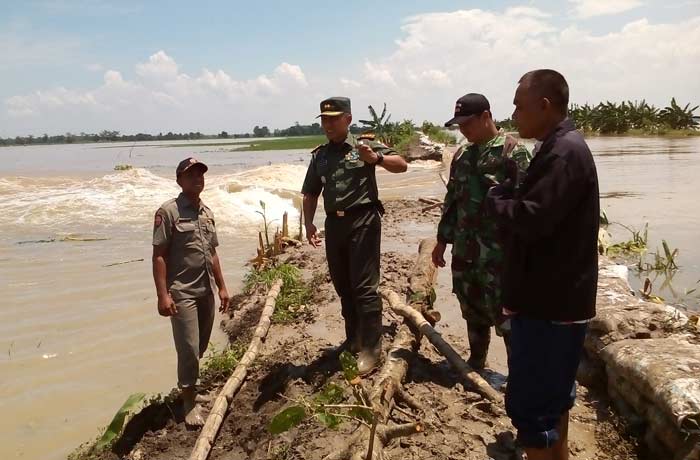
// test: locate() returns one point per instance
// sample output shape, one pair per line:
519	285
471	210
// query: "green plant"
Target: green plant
637	244
677	117
437	134
221	363
266	224
123	167
663	262
330	405
132	404
378	124
294	296
646	293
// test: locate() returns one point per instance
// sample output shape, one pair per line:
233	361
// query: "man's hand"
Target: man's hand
166	306
367	154
312	235
225	300
438	255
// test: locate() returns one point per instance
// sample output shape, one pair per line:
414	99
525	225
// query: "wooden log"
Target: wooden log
285	225
423	274
206	438
475	381
388	383
431	207
277	244
261	244
393	372
421	281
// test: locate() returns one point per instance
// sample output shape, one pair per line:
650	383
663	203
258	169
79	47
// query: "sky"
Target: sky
157	66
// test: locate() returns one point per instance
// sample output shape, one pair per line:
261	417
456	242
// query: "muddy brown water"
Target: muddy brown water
78	336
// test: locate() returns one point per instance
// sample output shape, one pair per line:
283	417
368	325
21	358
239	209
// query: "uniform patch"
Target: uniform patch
157	221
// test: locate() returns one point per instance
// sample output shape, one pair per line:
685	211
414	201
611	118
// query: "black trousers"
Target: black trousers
352	249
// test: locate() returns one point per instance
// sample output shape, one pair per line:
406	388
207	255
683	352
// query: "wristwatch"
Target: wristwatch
380	158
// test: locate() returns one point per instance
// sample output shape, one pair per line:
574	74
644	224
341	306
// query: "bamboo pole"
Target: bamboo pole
206	438
476	382
285	225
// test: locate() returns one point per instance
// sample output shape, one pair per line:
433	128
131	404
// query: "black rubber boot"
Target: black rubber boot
479	341
370	355
352	335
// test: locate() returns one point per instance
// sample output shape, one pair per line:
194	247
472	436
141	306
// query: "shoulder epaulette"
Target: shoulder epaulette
317	148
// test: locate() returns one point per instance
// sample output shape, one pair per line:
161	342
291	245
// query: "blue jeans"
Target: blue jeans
542	377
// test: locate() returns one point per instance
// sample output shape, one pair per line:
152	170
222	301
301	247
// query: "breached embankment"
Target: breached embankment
297	362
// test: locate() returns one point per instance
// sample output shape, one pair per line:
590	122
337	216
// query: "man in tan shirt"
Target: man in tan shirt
187	273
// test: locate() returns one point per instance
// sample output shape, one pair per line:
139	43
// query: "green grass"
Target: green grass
285	143
221	363
294	295
404	144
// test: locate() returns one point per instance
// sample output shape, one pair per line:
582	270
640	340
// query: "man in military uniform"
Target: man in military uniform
344	170
489	159
187	271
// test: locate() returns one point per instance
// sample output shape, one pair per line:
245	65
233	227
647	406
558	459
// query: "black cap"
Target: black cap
334	106
468	105
187	163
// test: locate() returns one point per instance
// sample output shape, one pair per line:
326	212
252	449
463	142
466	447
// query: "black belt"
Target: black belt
358	209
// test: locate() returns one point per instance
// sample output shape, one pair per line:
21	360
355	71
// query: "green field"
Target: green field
287	143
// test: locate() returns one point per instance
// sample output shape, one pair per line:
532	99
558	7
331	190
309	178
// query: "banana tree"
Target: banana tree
677	117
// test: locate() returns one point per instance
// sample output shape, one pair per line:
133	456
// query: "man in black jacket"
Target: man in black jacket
551	265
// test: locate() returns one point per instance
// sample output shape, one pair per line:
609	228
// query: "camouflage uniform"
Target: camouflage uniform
476	244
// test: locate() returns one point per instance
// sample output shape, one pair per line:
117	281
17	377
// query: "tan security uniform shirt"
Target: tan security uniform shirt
190	234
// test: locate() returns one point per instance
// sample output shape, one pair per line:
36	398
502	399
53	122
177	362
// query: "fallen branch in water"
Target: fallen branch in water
123	263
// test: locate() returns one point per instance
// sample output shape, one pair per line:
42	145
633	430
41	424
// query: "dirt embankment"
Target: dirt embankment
298	359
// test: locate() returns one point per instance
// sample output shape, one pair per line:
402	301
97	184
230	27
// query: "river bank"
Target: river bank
297	363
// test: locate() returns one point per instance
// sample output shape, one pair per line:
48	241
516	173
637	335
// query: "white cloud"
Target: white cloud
293	72
378	74
160	66
437	58
444	55
348	83
591	8
160	96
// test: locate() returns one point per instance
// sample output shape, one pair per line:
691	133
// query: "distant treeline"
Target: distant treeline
628	116
104	136
115	136
604	118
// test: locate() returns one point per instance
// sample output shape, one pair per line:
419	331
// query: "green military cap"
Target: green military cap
334	106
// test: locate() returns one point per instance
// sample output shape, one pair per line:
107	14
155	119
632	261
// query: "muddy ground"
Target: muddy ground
298	360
